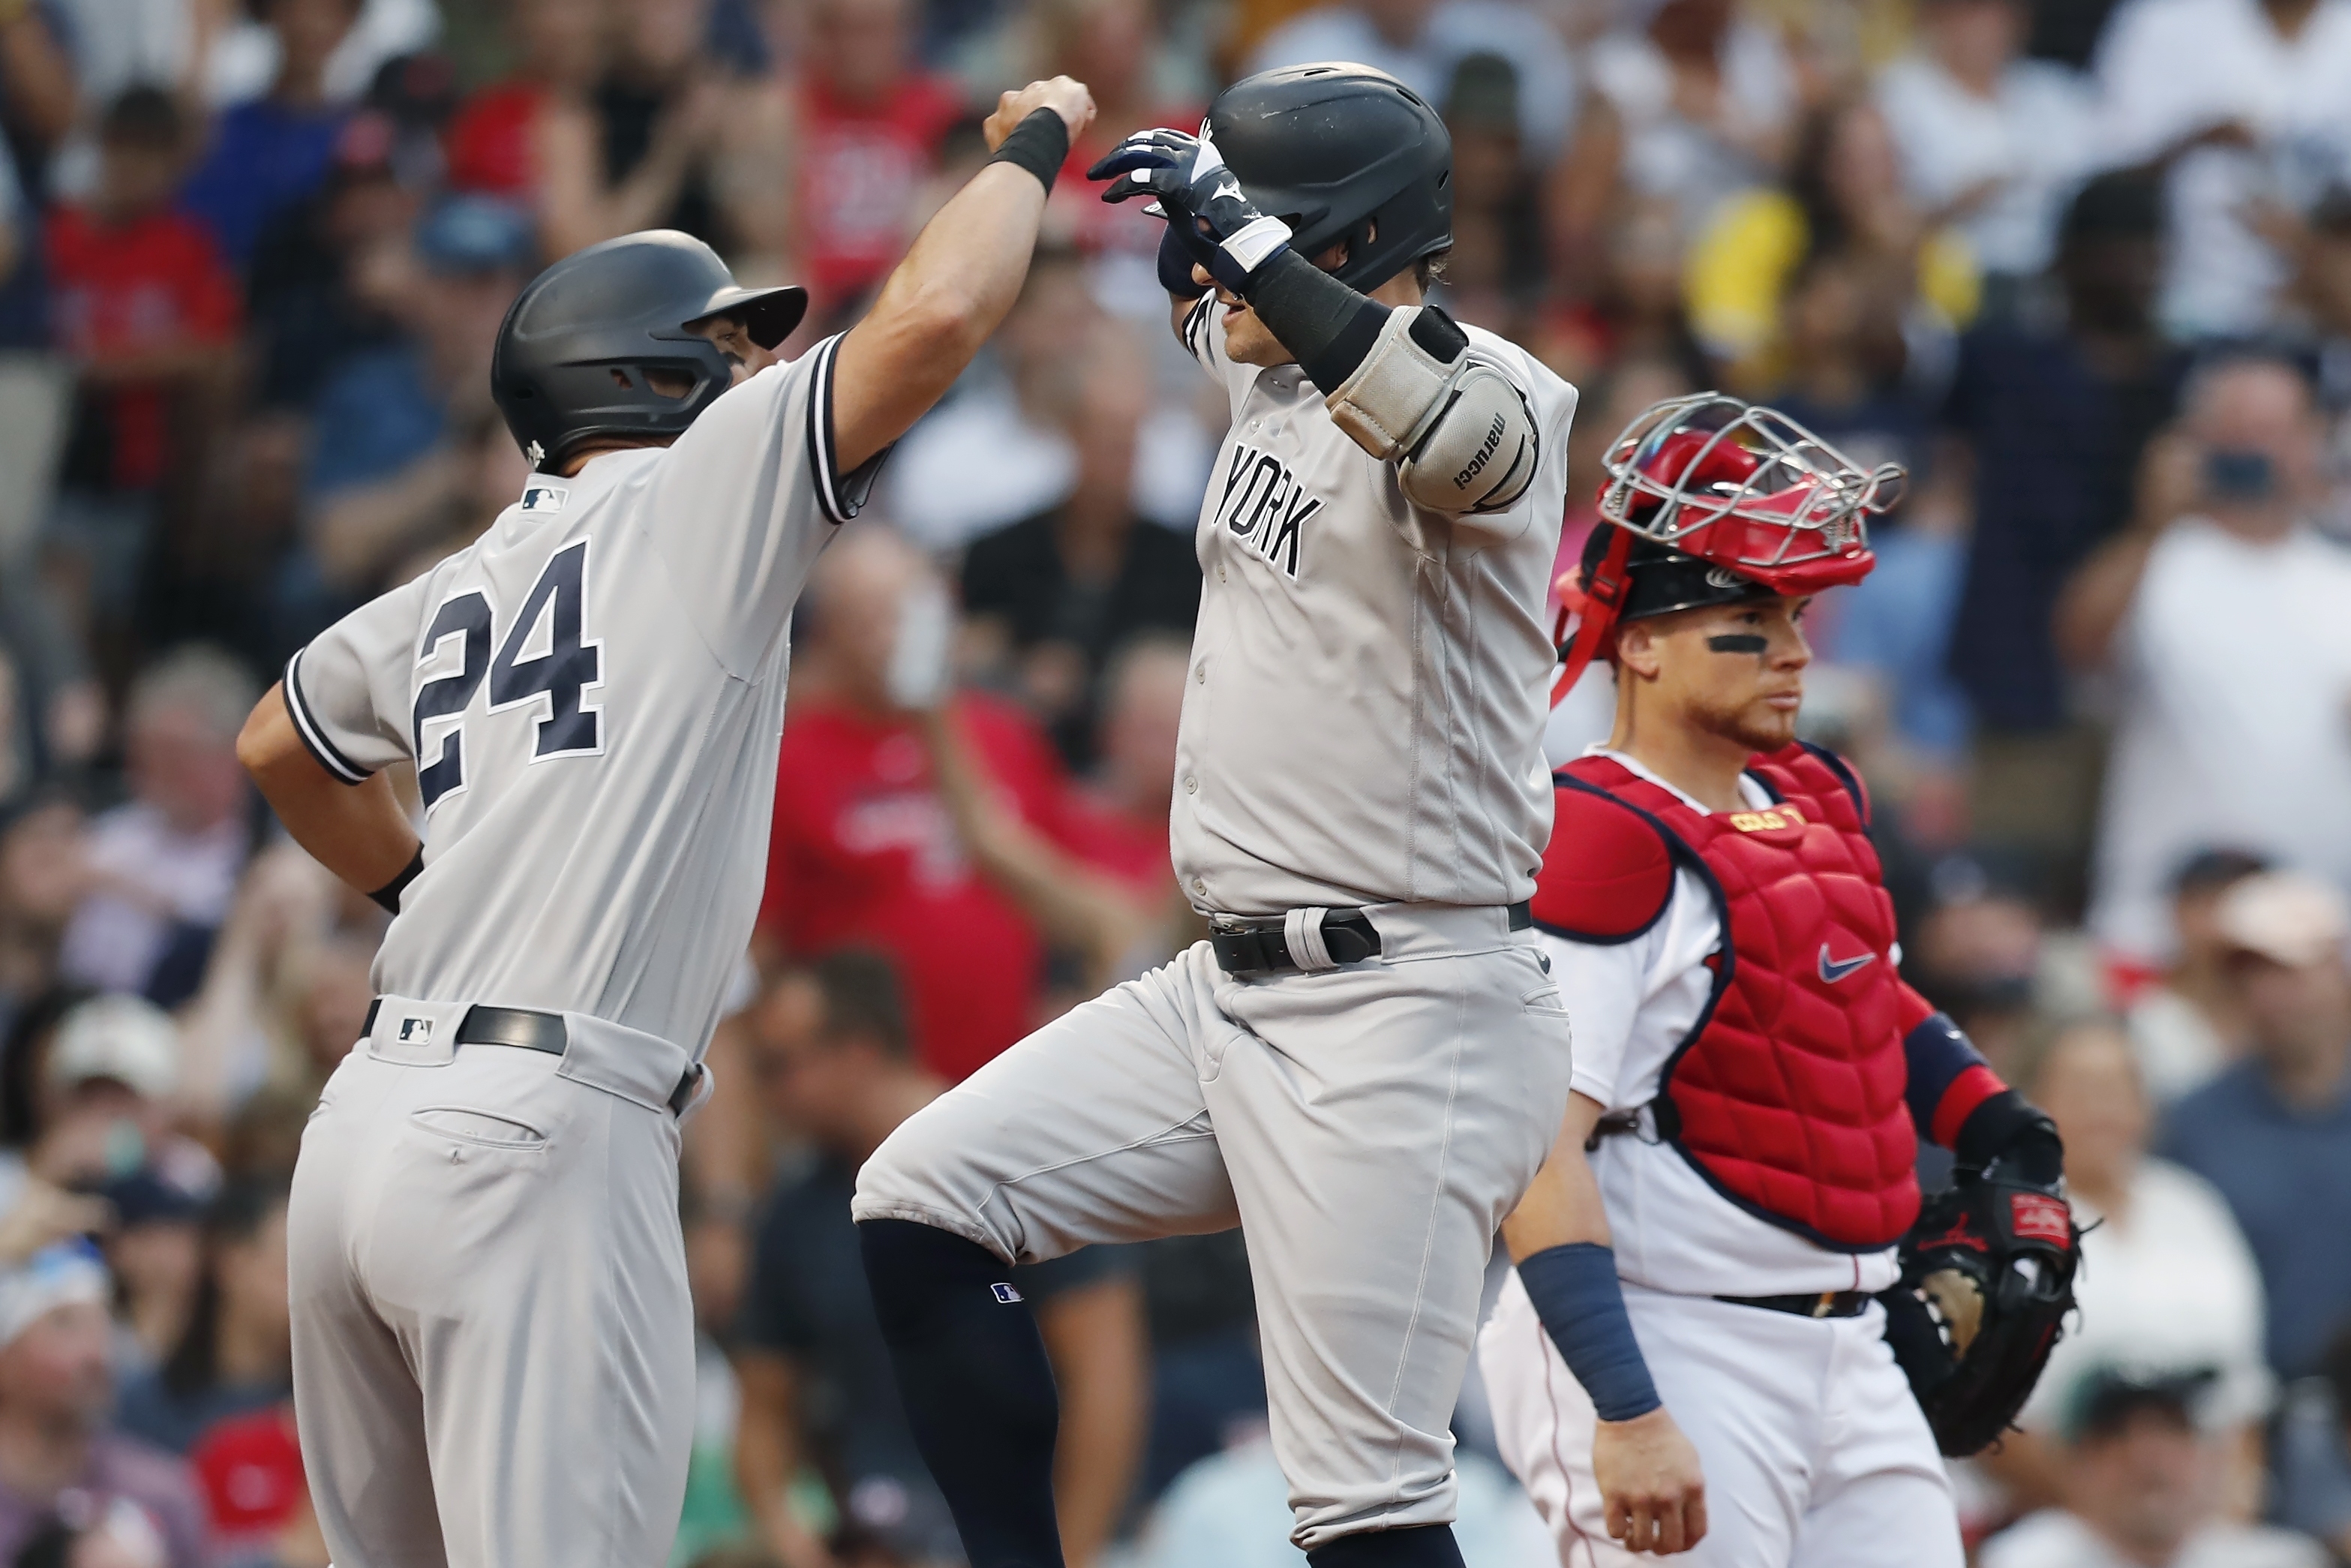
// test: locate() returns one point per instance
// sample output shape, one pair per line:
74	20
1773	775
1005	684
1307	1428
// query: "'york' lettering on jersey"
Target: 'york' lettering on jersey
1265	505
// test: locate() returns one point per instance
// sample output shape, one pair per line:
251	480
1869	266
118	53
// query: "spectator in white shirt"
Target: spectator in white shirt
1995	142
2227	633
2254	100
167	862
1419	43
2144	1486
1686	111
2168	1286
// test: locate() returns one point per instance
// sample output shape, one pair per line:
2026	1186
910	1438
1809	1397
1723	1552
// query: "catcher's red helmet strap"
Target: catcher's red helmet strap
1596	603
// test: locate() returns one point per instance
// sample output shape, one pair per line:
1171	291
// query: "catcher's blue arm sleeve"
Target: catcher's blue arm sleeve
1575	1293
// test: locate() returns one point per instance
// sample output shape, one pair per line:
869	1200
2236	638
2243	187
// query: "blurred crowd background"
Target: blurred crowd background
2083	266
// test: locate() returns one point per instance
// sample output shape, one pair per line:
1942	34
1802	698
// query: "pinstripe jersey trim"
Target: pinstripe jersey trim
314	734
841	496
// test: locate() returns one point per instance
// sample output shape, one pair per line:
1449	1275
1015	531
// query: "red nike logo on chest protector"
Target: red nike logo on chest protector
1835	969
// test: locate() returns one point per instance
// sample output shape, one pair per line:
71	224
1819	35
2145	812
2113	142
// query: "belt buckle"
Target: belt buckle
1825	1305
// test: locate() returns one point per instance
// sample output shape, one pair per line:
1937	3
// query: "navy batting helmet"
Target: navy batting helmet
572	354
1341	152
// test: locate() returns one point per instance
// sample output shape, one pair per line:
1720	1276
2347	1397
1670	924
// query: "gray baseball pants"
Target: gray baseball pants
493	1342
1368	1126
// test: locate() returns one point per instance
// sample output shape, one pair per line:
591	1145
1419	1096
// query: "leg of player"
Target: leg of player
1091	1129
1652	1494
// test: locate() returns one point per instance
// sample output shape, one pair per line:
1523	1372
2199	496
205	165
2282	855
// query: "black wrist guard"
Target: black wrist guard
1329	327
1039	144
2018	1134
388	895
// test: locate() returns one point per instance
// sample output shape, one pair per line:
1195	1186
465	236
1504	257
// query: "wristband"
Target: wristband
388	895
1575	1293
1327	327
1039	144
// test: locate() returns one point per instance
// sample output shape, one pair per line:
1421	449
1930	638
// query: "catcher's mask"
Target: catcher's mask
1712	501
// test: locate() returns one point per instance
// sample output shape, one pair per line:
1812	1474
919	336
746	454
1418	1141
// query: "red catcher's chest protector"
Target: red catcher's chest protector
1787	1094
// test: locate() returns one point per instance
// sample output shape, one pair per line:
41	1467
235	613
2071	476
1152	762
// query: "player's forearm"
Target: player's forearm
1562	1206
356	830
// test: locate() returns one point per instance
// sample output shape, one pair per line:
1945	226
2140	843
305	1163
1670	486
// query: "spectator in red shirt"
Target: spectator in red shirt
864	853
144	306
871	123
493	141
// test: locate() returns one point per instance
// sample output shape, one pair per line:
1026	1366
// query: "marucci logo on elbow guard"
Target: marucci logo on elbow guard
1485	453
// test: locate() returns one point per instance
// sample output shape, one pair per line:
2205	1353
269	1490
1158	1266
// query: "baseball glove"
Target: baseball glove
1987	1283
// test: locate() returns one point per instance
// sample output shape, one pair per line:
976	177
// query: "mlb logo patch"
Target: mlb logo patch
1004	1293
416	1031
545	498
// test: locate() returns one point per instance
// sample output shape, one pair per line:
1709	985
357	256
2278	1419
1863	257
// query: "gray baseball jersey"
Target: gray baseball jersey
1364	720
592	694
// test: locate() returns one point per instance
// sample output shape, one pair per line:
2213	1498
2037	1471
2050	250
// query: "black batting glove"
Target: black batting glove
1197	193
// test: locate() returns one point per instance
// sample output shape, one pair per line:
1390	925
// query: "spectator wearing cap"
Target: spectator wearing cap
2273	1132
155	1251
110	1082
388	416
2221	619
2167	1285
2190	1023
830	1055
257	1499
271	151
145	309
58	1452
2146	1488
167	860
235	1353
2245	104
304	295
1421	42
1994	141
2045	423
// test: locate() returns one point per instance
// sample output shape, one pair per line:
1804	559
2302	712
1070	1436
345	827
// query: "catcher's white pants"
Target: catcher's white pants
493	1341
1368	1127
1815	1454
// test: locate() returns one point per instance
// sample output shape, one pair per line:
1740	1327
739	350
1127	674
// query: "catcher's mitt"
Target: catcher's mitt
1987	1282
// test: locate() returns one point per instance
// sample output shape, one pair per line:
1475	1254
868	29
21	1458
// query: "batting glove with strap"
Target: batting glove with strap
1202	202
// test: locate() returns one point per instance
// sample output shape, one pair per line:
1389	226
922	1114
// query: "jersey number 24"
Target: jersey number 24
569	662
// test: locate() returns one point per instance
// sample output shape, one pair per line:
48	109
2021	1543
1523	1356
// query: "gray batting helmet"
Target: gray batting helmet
571	357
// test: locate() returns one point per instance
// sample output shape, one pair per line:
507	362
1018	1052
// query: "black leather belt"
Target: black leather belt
1263	946
528	1030
1813	1304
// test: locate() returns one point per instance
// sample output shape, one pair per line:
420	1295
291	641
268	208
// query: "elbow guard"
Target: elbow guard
1461	436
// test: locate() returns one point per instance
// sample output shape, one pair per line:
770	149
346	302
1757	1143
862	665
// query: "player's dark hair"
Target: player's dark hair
145	117
2211	870
863	997
1430	270
237	1215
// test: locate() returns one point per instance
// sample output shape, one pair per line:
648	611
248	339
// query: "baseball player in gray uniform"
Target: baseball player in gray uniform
1364	1064
493	1344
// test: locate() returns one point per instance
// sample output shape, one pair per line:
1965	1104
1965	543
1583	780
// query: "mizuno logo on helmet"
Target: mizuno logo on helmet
1835	969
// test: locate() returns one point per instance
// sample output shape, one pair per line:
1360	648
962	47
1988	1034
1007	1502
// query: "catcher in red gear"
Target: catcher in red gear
1745	1247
